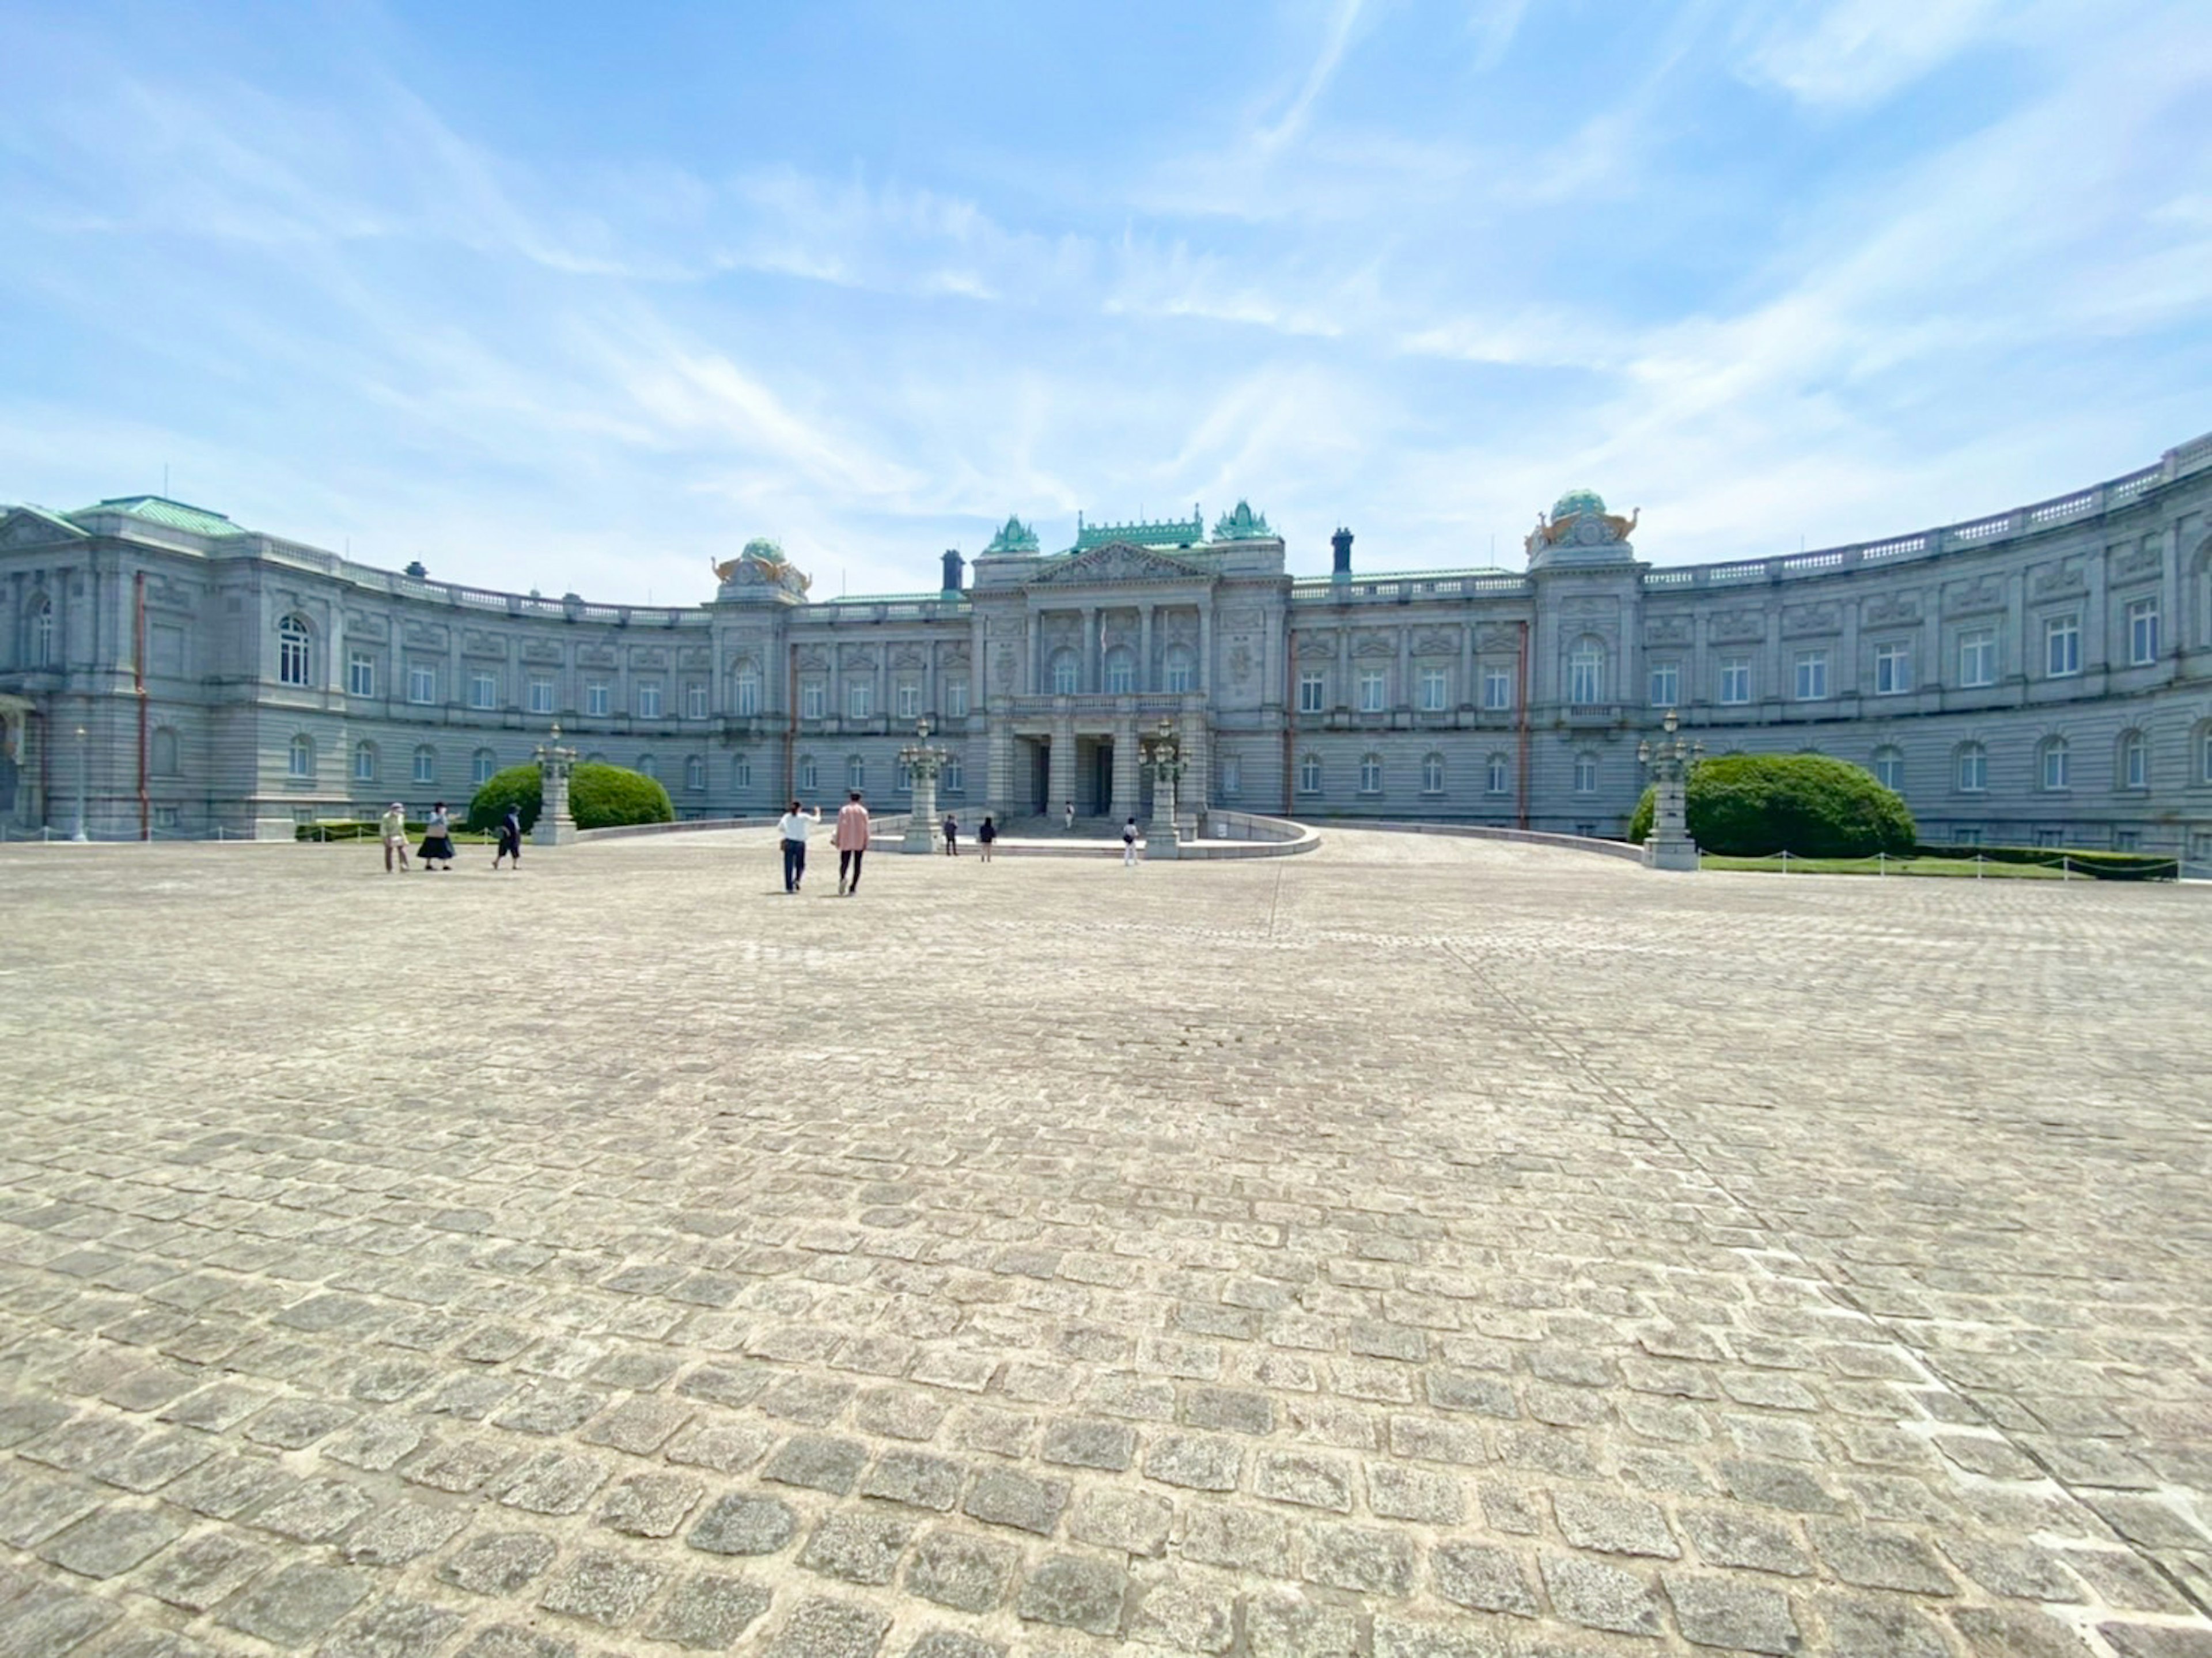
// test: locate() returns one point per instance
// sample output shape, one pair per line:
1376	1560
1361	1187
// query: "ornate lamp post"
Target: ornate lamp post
556	828
1670	846
81	764
1163	757
923	760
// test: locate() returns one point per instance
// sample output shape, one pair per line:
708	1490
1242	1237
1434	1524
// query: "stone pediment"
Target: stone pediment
1119	561
27	526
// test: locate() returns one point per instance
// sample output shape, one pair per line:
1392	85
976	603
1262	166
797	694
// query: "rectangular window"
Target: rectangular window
364	763
2200	846
909	699
1310	776
1497	689
810	776
1666	685
741	772
813	699
1435	689
1893	670
483	691
1371	692
648	699
1179	676
2061	647
1585	678
1967	835
361	674
2143	632
2127	840
859	699
1736	679
541	694
599	698
695	703
1120	675
2051	838
952	780
165	817
748	696
1812	676
1310	693
421	684
1978	657
1585	774
426	765
956	699
1232	776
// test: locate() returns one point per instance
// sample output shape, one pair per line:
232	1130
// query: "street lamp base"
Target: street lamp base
1670	854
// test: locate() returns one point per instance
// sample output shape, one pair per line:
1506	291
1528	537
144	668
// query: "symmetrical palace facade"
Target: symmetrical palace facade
2044	674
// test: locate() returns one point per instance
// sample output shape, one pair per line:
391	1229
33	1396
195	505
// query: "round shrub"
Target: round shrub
1752	806
600	797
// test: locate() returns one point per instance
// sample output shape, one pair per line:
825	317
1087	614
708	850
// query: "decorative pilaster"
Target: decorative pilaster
1060	769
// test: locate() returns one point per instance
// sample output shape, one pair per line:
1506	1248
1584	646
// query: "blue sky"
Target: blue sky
570	296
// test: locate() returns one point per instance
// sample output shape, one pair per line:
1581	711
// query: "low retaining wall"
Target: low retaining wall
1627	850
879	827
1248	835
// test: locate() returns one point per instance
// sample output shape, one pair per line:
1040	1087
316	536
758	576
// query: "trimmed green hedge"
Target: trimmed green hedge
600	797
2103	865
1752	806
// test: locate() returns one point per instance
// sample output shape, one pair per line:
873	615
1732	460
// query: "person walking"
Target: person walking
851	841
438	839
793	827
951	836
510	838
394	828
986	835
1129	844
1067	817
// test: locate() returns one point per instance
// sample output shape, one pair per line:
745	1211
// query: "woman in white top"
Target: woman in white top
793	827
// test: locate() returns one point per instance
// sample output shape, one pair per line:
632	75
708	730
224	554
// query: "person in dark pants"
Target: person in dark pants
510	839
852	841
986	835
793	827
951	836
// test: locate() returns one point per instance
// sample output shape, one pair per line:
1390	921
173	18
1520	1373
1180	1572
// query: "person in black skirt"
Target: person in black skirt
438	839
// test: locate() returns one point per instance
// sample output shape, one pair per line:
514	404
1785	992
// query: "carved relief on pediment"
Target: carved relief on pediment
163	595
1376	645
359	624
2137	563
1666	630
539	650
1738	626
695	656
1436	641
1118	561
856	660
1242	664
1585	606
813	659
1802	621
1966	598
2052	581
1315	646
1890	609
474	642
1248	619
595	656
1002	670
1499	636
1179	627
954	662
427	635
911	655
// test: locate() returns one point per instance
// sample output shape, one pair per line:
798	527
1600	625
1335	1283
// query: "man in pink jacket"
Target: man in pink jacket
851	841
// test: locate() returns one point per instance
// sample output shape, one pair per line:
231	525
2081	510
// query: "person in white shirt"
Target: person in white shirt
793	827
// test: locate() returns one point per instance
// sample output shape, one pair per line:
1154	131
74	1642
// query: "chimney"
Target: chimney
1341	571
952	565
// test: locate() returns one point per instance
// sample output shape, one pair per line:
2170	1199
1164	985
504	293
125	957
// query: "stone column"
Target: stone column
998	752
1091	677
1061	767
1467	689
1206	643
1124	804
1144	648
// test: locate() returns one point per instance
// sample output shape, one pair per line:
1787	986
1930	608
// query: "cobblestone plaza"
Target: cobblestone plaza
1420	1247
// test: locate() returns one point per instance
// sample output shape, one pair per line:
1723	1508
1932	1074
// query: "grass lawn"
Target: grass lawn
1951	867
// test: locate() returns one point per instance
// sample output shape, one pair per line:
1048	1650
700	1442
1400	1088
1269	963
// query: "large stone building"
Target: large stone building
2044	674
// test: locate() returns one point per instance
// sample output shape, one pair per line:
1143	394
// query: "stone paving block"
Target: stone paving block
725	1447
899	1412
828	1629
1311	1481
744	1522
603	1588
1866	1626
1241	1539
1483	1578
400	1531
1186	1616
952	1643
708	1611
513	1641
1202	1462
549	1409
960	1569
819	1461
640	1426
1599	1596
1081	1442
296	1602
499	1563
862	1547
552	1483
49	1621
394	1628
1001	1496
1076	1591
1613	1523
1366	1559
914	1479
315	1510
37	1507
650	1505
1135	1522
111	1541
204	1571
1400	1636
1737	1613
2156	1640
1288	1624
155	1460
1878	1559
2017	1632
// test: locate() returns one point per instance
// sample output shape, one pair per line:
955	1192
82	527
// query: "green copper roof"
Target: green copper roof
1013	537
1243	524
159	509
1578	500
1161	532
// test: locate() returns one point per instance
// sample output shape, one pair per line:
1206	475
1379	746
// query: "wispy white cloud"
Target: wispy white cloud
1847	53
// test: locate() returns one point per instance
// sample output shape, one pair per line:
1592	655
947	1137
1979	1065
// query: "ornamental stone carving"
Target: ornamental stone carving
1738	627
427	635
595	656
1970	597
1376	645
1002	672
1885	610
539	651
1241	664
1802	621
1499	637
911	655
1315	646
814	661
1118	561
2053	580
1668	630
2136	563
1436	641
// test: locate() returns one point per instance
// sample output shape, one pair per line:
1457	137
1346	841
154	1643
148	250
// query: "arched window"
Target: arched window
481	764
164	758
300	759
952	780
1120	670
1889	766
1971	768
1585	773
695	773
42	633
1586	671
2053	763
364	763
2203	745
1310	774
426	764
2133	771
1178	670
810	776
645	767
1432	773
1067	670
856	772
1497	775
595	758
1370	773
292	639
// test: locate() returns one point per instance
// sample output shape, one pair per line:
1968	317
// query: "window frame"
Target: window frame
422	765
2054	766
956	697
364	762
1972	755
647	699
1585	771
2062	630
1887	766
1373	691
483	765
695	703
746	695
1497	690
2143	620
300	757
1497	775
1666	683
1432	773
422	685
1811	663
1310	774
483	689
541	703
1370	773
361	673
1979	646
1892	669
599	700
1313	691
1734	689
1436	689
294	653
